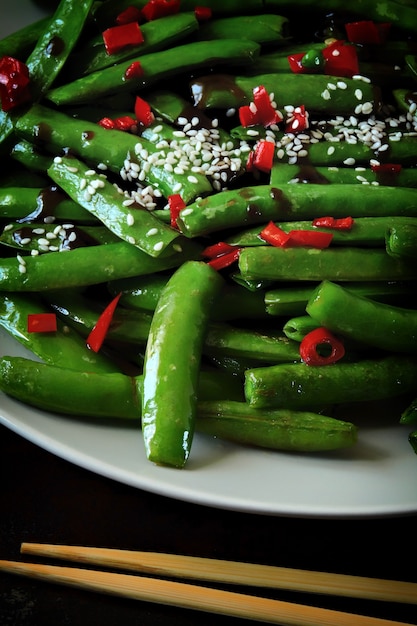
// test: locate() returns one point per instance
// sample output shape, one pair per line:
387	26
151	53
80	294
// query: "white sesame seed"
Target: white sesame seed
326	95
192	179
349	161
130	220
58	159
158	246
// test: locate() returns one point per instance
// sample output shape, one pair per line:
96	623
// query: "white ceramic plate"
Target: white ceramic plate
378	477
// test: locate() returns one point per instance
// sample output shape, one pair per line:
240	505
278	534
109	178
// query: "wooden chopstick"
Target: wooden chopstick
232	572
189	596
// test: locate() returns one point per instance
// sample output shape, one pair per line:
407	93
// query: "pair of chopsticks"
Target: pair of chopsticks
207	599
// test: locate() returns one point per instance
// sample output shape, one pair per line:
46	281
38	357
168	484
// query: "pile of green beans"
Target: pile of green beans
85	217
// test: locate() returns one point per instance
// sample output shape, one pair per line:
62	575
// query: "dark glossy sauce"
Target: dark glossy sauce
46	202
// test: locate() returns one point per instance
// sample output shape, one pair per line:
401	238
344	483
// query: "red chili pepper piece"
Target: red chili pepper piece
106	122
225	260
340	59
309	347
155	9
176	204
367	32
125	122
261	111
310	238
296	66
131	14
135	70
395	168
98	334
143	112
298	121
274	235
42	323
262	157
339	223
217	249
117	38
203	14
14	83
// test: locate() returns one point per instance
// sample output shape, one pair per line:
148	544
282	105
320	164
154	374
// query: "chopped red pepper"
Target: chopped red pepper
261	111
98	334
203	14
42	323
367	32
131	14
124	123
387	168
155	9
298	121
143	112
275	236
14	83
339	223
117	38
224	260
262	157
341	59
135	70
309	347
217	249
295	63
176	204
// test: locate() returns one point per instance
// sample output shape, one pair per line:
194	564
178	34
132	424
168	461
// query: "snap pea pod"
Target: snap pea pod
172	361
44	238
259	204
265	29
309	174
87	266
409	415
156	66
31	156
106	148
292	301
401	241
158	35
63	348
216	91
341	311
55	43
118	396
338	264
234	302
20	43
297	385
37	204
365	232
98	196
298	327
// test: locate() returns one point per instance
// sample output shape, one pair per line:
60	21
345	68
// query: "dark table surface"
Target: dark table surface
47	499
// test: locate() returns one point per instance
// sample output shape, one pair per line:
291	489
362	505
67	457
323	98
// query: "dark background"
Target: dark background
48	500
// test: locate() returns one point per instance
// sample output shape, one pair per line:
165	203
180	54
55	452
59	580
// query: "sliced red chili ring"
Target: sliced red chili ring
321	338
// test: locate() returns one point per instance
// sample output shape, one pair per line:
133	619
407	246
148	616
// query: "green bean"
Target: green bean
267	29
219	91
409	415
98	196
286	173
86	266
338	309
34	203
339	264
259	204
158	35
365	232
21	42
156	66
44	238
172	362
297	385
292	301
298	327
401	241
